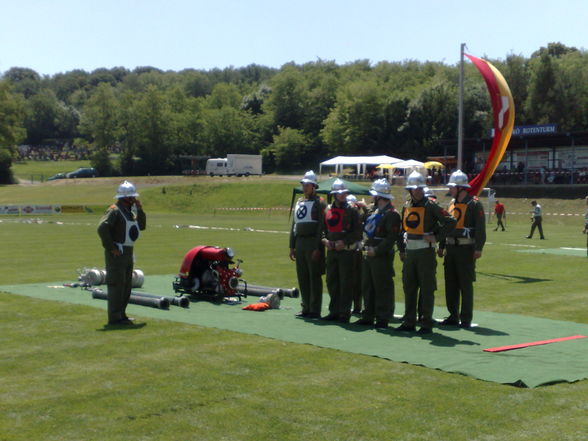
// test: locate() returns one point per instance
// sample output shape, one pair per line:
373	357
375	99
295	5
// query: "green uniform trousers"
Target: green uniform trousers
378	288
119	275
419	272
357	284
460	274
340	281
309	273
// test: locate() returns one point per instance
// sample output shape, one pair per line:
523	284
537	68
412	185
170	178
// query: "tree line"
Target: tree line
294	116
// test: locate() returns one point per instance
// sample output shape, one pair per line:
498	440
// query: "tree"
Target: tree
356	123
24	80
542	95
11	129
286	101
288	149
148	129
49	119
100	122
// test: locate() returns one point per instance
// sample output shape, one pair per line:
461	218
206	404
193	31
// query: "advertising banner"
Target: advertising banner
10	209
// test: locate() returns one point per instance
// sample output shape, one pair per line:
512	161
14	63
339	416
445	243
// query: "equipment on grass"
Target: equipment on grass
96	277
154	302
181	301
206	272
259	290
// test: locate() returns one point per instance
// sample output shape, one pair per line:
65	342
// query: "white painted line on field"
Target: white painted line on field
200	227
573	249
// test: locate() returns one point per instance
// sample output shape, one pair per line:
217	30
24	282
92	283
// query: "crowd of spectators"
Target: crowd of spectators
541	176
51	153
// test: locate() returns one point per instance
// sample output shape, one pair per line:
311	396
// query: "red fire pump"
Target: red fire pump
206	272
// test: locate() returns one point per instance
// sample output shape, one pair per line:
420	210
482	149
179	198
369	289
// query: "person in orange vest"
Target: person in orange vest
424	224
461	248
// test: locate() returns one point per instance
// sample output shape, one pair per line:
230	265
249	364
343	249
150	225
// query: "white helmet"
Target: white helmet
309	178
381	188
338	187
351	199
415	180
126	190
458	179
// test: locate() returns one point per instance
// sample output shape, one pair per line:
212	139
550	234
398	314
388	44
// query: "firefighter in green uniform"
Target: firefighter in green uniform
306	248
362	209
461	248
382	229
341	233
119	229
424	224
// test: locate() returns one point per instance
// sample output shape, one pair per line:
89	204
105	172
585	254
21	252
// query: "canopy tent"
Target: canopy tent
409	163
325	188
433	164
360	162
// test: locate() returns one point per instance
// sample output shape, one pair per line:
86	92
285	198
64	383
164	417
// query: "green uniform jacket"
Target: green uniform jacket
387	230
474	224
111	228
436	220
309	229
350	223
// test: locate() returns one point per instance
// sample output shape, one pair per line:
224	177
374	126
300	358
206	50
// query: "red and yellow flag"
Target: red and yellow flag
504	110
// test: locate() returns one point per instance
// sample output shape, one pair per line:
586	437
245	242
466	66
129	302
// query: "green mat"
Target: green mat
448	349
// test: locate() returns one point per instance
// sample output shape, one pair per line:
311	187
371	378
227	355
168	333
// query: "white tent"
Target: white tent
360	162
409	163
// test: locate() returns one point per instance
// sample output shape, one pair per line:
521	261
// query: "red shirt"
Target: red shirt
499	209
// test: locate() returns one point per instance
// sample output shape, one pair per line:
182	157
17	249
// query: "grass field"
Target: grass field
38	171
63	378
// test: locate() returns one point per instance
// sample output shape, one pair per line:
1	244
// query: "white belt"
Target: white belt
412	244
460	241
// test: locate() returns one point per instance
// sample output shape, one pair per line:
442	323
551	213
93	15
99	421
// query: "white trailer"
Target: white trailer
234	165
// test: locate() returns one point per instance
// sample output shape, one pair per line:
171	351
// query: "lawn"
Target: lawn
39	171
63	378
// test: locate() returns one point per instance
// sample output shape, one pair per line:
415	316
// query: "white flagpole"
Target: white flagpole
460	113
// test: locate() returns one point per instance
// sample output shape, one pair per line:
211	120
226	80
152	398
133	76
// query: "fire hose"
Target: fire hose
154	302
181	301
260	290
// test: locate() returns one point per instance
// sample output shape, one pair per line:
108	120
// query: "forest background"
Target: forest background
294	116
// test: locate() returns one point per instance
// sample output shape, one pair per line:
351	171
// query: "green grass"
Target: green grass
63	378
41	170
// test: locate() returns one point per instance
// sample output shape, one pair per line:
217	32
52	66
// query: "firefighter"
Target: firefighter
119	229
382	230
306	248
424	224
461	248
341	234
362	209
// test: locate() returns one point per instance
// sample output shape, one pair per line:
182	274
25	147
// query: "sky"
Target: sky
53	36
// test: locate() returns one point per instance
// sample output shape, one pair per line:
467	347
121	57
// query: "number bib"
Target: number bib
370	224
303	212
458	211
414	220
334	220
